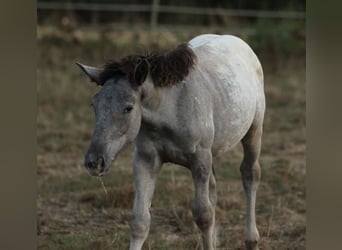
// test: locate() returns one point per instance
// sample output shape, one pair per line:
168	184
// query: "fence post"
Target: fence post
94	18
154	15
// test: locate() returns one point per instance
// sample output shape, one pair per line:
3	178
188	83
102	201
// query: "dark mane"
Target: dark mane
172	67
166	69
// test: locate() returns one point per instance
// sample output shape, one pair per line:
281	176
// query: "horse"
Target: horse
182	106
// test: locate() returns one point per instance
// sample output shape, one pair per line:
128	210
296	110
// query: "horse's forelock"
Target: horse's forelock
123	67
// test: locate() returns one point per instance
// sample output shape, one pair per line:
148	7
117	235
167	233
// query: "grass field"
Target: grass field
75	212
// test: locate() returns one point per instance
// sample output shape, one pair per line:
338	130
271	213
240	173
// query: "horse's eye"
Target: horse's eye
128	109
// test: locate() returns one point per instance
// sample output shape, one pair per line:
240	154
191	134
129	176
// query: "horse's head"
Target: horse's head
117	112
117	105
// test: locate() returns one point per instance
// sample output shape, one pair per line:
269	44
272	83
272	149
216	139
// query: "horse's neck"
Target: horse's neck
158	105
150	105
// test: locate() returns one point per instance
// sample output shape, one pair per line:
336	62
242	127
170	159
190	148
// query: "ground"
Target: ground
77	211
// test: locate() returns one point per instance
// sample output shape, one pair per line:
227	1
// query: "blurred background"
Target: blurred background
77	211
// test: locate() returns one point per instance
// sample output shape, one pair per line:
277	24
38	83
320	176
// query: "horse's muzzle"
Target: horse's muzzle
95	164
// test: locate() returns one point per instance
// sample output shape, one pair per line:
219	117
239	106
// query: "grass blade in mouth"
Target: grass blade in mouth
103	186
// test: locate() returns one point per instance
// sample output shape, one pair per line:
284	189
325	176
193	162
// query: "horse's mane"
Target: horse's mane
166	69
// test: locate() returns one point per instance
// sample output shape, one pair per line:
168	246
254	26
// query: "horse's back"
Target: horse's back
231	49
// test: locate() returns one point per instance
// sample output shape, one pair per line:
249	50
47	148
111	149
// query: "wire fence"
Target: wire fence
155	9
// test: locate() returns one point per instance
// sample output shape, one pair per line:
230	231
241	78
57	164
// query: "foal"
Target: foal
183	106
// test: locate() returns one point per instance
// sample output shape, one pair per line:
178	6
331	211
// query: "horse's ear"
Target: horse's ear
92	72
140	71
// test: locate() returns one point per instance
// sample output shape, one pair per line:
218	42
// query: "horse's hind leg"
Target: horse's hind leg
213	199
250	173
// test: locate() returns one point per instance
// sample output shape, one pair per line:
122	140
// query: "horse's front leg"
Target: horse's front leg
203	208
146	168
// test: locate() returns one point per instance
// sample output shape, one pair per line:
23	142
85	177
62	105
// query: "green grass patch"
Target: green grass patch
228	172
83	182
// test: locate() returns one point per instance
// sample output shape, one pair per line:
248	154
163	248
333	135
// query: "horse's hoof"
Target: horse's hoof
251	245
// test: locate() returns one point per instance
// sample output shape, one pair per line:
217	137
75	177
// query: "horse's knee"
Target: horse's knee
250	172
251	245
212	190
140	224
203	216
250	167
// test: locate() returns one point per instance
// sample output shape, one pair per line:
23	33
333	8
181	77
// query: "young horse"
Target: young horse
183	107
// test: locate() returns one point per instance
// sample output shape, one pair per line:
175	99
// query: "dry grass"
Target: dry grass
75	212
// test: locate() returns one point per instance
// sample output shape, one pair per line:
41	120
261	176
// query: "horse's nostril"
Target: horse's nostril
91	164
101	161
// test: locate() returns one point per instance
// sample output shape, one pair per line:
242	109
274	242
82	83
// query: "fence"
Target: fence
155	9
